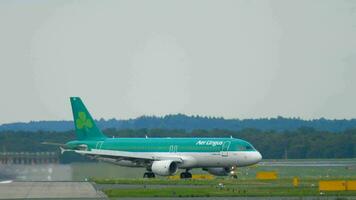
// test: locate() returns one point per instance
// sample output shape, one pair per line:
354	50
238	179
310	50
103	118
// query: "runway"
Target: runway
245	198
146	186
309	163
49	190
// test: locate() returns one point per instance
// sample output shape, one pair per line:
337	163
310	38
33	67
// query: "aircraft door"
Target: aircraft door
225	148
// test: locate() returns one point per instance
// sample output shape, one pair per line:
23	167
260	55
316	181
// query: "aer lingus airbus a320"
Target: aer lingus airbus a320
160	156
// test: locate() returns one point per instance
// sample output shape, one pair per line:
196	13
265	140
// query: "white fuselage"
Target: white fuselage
190	159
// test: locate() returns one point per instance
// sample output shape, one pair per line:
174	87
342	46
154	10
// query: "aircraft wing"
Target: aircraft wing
124	155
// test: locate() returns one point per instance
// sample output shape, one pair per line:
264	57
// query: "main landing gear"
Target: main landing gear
149	175
185	175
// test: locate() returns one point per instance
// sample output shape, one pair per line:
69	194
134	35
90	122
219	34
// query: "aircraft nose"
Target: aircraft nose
259	156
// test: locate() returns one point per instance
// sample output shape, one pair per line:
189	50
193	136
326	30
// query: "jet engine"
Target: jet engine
164	167
218	171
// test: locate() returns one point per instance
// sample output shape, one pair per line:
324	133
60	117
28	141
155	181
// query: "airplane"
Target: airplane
160	156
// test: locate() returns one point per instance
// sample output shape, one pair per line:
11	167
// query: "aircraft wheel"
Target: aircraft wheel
149	175
182	175
188	175
145	175
185	175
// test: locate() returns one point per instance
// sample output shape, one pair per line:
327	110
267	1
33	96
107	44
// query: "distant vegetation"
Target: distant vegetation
189	123
300	143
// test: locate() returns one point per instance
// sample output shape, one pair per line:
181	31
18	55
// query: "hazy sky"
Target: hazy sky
235	59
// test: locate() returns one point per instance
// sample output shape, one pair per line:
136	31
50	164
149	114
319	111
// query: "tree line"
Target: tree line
189	123
297	144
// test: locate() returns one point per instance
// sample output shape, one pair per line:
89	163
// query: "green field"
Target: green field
219	187
225	192
245	185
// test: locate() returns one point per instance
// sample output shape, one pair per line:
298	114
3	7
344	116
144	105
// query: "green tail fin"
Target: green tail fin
85	127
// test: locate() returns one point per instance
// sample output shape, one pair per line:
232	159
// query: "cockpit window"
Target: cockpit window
245	147
249	147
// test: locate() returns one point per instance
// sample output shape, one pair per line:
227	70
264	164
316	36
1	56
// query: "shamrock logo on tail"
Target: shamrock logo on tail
83	121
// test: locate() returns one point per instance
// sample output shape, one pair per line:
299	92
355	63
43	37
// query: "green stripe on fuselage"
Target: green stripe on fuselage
166	144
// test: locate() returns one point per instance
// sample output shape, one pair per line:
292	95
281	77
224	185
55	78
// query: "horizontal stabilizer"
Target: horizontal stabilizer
53	143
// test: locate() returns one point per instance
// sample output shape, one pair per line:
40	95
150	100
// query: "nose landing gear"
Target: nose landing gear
233	172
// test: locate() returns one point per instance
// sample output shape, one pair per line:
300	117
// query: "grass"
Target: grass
245	185
221	192
225	181
211	188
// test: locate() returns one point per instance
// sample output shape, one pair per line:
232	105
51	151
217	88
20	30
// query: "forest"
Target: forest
189	123
304	142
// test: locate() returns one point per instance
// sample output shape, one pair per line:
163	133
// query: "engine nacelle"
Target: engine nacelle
219	171
164	167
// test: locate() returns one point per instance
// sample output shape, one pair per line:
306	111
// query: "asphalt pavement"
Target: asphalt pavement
49	190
